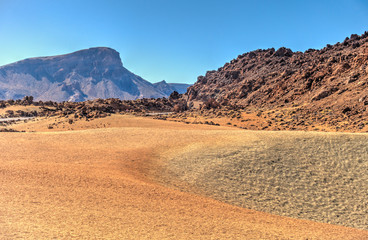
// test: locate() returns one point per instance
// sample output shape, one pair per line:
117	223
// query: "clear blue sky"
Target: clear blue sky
175	40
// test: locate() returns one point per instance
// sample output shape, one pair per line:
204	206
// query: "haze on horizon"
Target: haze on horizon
174	40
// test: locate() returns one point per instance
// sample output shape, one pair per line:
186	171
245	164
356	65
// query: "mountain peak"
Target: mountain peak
78	76
101	53
168	88
107	57
85	74
161	82
96	55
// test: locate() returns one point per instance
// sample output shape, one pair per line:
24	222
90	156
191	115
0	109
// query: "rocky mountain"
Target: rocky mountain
79	76
334	79
168	88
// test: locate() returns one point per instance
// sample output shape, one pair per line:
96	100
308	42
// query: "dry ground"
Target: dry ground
100	181
316	176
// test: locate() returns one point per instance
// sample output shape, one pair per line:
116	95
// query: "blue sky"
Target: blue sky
174	40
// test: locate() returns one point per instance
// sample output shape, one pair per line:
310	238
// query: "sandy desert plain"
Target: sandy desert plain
128	177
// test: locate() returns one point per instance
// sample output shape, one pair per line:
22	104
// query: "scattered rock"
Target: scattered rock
283	52
323	93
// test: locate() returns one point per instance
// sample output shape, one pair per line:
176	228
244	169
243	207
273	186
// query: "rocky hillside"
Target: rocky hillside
79	76
334	79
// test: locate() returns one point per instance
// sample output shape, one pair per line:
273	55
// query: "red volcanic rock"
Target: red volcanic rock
333	77
283	52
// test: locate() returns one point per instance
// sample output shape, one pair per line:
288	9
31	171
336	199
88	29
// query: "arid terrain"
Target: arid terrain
193	166
127	177
316	176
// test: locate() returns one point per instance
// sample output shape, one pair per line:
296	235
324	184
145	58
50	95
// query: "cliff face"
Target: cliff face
334	77
82	75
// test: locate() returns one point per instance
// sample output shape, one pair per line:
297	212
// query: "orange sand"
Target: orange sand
96	184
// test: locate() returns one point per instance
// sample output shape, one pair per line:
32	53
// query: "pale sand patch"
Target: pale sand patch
316	176
96	184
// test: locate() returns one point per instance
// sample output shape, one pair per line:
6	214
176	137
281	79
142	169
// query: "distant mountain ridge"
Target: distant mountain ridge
83	75
168	88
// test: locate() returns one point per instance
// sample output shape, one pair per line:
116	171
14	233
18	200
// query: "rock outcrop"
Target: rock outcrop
335	78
